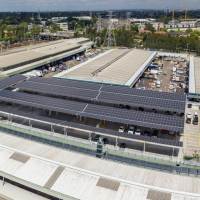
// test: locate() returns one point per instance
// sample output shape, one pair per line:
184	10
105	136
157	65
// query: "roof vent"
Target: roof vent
157	195
108	184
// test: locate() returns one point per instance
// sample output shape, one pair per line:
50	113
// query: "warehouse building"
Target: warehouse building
24	60
194	80
116	66
60	174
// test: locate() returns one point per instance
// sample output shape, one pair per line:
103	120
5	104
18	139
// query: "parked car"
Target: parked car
138	131
189	118
195	118
131	130
121	129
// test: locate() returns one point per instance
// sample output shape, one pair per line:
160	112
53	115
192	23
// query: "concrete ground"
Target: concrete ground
191	138
165	78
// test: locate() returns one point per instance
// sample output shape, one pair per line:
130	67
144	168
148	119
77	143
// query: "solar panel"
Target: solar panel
91	128
57	90
109	98
42	102
136	118
145	93
129	117
7	82
68	83
110	88
141	101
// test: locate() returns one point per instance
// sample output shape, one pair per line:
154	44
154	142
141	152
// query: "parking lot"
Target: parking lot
52	69
191	137
166	74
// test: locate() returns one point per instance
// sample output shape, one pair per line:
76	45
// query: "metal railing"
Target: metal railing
89	147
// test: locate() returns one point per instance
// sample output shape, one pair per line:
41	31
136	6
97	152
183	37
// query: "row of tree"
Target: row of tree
23	31
173	41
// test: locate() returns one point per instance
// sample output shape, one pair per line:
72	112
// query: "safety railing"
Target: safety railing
89	147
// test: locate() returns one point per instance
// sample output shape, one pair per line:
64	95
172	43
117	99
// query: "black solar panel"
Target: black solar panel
110	88
68	83
141	101
133	100
57	90
145	93
7	82
90	128
48	103
137	118
131	117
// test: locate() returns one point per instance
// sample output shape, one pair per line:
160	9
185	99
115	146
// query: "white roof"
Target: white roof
192	84
116	66
68	174
194	74
197	74
27	54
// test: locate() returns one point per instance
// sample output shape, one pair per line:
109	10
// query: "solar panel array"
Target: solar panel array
93	129
57	90
107	94
110	88
7	82
144	93
129	117
67	83
142	101
137	118
42	102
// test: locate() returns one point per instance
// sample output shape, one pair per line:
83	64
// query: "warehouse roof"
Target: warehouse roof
33	54
116	66
42	62
67	174
197	74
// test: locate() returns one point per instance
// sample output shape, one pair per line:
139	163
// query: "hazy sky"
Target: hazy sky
35	5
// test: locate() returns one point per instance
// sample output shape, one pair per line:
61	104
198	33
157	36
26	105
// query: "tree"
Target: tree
35	30
54	28
149	27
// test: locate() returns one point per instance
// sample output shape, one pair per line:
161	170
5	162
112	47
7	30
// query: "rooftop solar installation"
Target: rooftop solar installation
67	83
58	90
141	101
42	102
113	95
117	115
7	82
110	88
144	93
136	118
91	128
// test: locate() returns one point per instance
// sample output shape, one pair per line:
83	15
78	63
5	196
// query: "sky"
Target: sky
69	5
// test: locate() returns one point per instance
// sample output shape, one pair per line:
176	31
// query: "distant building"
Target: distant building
57	19
183	24
158	25
63	26
85	18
